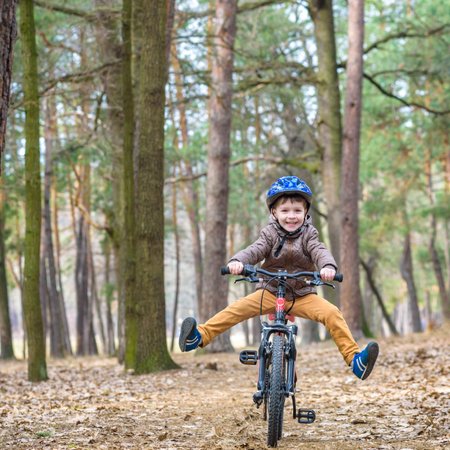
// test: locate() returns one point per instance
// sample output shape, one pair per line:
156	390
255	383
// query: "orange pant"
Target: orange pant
310	306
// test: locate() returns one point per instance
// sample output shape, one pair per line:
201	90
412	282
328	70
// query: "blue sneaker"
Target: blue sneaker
363	362
190	338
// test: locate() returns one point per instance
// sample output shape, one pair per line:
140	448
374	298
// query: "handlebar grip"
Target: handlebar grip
224	270
339	277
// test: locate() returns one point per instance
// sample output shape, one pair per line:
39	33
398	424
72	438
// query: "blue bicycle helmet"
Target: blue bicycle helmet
288	185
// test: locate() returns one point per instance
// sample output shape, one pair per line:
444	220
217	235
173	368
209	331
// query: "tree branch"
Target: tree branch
90	16
401	100
75	77
273	160
405	34
249	6
87	216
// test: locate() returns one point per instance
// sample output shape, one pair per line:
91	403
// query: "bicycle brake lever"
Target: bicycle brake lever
250	279
319	282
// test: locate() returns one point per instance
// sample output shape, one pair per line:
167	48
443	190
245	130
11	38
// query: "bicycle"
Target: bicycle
277	352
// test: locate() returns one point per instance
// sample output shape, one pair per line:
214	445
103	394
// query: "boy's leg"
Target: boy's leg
240	310
320	310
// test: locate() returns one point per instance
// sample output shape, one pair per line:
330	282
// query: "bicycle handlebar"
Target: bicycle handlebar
252	270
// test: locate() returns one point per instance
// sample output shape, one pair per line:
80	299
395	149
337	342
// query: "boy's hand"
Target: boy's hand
327	274
236	267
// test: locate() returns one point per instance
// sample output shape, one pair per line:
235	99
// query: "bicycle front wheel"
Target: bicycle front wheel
276	392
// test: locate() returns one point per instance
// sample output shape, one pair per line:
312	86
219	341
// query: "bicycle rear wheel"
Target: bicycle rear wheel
276	392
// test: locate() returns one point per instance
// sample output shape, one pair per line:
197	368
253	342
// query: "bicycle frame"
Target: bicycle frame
290	332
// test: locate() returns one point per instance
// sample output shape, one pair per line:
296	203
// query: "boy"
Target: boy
288	242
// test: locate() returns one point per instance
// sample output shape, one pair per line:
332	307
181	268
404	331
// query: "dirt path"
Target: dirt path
93	404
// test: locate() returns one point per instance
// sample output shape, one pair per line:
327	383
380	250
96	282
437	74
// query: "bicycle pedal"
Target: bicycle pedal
306	416
248	357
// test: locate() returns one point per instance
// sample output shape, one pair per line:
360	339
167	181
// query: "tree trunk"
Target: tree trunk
109	299
176	236
57	342
111	49
129	224
8	33
6	340
437	267
86	344
152	354
82	289
351	300
377	294
446	164
329	121
215	287
93	294
296	145
406	268
65	324
37	366
190	194
85	302
170	20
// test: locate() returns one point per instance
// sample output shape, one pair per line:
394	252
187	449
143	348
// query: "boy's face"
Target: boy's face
290	213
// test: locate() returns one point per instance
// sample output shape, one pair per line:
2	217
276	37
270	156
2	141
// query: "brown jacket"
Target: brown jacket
293	252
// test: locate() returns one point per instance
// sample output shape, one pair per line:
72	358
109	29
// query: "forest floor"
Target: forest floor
91	403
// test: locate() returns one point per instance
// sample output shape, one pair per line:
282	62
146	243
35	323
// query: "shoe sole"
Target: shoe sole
373	350
186	329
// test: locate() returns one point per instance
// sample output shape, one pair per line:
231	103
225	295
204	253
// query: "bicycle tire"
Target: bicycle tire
283	398
276	392
266	388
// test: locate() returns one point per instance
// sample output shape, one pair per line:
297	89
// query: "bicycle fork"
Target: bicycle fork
263	355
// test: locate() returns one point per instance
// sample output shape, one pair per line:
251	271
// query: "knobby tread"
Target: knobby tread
276	394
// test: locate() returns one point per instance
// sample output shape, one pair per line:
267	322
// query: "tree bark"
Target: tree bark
437	267
109	298
57	341
93	293
84	307
8	33
62	304
296	145
176	236
439	273
37	366
351	300
378	296
329	120
111	49
215	287
190	194
151	353
86	343
406	268
129	223
6	339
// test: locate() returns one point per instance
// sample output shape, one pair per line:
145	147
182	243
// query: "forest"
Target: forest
138	141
